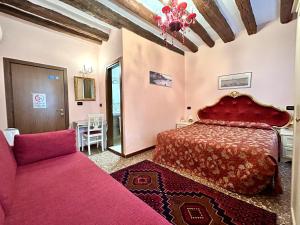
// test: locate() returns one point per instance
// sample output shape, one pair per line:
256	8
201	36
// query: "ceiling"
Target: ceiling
264	11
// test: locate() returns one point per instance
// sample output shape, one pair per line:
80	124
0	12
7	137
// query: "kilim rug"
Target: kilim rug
183	201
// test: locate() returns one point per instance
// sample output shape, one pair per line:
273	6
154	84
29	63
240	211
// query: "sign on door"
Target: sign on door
39	101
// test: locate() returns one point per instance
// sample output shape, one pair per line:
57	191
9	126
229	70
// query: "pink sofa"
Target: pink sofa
47	182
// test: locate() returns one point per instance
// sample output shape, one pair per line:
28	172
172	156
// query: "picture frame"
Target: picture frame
160	79
235	81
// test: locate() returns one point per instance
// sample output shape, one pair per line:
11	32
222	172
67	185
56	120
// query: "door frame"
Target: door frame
9	88
108	106
296	155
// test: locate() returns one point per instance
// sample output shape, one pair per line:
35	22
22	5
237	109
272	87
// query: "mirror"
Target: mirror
85	89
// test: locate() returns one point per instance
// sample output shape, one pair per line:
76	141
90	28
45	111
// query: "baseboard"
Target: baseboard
115	152
139	151
293	216
131	154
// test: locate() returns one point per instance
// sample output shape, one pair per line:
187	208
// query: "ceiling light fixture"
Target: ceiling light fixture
175	19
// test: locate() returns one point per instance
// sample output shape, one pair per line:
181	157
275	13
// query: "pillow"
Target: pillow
8	168
30	148
250	125
213	122
241	124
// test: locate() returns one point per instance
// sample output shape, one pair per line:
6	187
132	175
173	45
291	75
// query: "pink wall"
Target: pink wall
149	109
110	51
25	41
269	55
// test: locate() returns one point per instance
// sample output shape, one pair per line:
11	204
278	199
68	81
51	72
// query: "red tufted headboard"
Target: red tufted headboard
239	107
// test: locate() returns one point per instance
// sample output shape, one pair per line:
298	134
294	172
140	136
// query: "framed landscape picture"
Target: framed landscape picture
235	81
160	79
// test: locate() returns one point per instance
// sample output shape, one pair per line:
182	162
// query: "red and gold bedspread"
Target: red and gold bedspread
238	156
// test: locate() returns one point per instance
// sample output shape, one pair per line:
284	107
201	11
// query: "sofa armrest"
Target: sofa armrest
30	148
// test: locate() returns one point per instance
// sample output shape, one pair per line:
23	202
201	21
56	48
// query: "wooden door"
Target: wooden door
36	97
296	155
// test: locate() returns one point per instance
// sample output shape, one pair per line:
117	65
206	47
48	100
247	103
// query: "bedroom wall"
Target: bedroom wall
110	51
269	55
25	41
149	109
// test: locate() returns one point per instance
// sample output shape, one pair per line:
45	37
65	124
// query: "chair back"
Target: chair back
95	122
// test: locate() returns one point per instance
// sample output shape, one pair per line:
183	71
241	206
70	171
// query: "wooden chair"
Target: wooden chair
95	132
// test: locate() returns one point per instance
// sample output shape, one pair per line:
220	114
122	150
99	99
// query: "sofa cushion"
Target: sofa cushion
72	190
8	168
29	148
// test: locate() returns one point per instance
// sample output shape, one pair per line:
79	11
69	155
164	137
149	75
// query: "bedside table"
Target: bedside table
183	124
287	142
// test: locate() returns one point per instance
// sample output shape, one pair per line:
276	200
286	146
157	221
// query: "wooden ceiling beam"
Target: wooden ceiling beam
144	13
247	15
286	10
214	17
202	33
107	15
45	23
199	30
57	18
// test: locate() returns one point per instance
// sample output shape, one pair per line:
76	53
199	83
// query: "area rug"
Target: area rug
183	201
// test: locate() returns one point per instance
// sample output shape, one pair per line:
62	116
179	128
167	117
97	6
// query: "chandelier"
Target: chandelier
175	19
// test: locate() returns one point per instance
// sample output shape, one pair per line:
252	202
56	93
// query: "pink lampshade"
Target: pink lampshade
191	16
157	18
166	9
182	6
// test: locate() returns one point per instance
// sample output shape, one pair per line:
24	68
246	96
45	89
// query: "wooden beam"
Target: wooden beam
199	30
286	11
144	13
247	15
45	23
202	33
214	17
57	18
107	15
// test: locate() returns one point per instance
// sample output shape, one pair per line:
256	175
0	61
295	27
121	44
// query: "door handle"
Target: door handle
297	120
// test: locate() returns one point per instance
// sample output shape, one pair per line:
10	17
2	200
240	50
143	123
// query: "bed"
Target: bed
233	145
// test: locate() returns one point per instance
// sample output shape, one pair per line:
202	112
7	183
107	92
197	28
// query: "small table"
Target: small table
81	126
183	124
287	142
10	134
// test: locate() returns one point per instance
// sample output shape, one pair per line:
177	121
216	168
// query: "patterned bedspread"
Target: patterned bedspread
238	156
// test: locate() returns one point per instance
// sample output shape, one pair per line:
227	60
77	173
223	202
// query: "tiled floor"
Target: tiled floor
116	148
277	204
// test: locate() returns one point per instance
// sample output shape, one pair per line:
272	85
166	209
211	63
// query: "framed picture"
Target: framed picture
235	81
160	79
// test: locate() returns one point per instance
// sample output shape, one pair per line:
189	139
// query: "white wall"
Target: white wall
25	41
149	109
269	55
